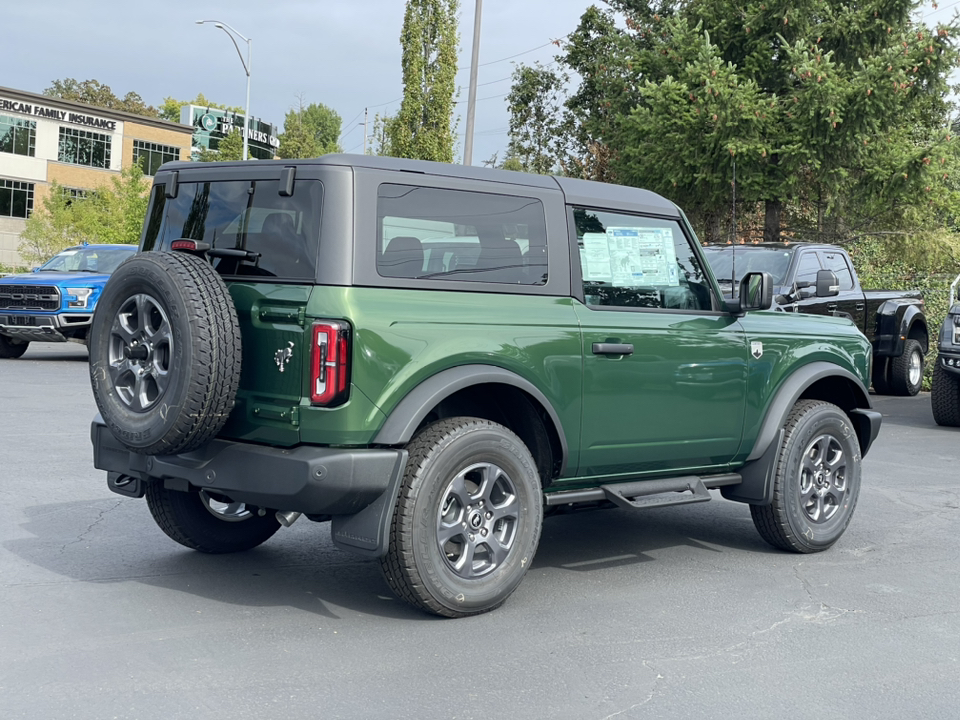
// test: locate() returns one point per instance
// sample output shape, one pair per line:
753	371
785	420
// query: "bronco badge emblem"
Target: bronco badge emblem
756	349
282	356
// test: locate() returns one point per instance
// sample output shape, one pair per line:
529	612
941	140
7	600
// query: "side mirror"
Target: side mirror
827	283
756	293
36	269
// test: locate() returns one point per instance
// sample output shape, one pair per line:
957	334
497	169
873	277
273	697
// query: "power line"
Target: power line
525	52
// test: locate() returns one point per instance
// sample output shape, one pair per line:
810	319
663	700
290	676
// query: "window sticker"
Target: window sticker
631	257
595	258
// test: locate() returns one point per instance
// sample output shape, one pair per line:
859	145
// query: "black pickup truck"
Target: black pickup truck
893	320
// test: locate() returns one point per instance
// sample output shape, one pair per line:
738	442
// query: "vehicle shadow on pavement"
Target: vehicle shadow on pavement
912	412
594	540
115	540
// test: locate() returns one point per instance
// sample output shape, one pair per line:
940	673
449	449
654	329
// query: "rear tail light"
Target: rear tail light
330	363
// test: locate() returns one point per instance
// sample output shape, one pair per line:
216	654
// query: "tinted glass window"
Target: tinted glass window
633	261
838	263
459	235
89	258
283	233
746	258
808	268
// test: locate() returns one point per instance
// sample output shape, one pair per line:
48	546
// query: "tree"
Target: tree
423	127
310	131
170	109
113	213
834	114
535	102
92	92
230	148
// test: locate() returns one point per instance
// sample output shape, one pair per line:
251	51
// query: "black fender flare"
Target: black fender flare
895	320
406	417
757	473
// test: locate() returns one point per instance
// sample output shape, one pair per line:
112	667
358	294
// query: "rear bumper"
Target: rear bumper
358	487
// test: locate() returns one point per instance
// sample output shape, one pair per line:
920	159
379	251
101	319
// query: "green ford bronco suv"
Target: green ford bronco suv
432	358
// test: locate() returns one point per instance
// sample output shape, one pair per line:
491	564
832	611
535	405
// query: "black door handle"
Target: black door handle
612	349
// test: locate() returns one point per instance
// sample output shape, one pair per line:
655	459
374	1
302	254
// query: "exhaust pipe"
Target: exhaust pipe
287	517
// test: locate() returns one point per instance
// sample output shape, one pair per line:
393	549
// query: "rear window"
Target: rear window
435	234
284	232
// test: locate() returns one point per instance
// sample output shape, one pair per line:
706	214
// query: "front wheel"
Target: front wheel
817	480
208	522
906	371
467	521
12	348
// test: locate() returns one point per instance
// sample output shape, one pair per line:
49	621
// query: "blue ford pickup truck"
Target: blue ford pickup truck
55	302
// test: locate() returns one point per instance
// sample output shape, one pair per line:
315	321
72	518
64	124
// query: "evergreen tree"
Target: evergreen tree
423	128
836	113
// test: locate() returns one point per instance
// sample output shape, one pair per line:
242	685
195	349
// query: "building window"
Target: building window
150	156
72	194
81	147
18	136
16	199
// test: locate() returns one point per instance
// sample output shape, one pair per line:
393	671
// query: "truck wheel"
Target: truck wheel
11	347
208	522
945	397
880	377
165	353
467	521
817	480
906	371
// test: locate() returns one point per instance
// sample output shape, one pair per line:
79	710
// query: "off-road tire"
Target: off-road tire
184	518
903	366
445	458
945	397
880	376
179	396
814	430
11	348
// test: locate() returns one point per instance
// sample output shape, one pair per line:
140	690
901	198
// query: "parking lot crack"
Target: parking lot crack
91	526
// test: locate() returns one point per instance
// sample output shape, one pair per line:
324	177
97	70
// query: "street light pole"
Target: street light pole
230	31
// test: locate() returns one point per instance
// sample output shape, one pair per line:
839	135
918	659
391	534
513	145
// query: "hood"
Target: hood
56	278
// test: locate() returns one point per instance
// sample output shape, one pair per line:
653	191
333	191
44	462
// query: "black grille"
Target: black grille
29	297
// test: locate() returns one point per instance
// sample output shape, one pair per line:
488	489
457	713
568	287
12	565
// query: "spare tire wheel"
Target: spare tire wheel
165	353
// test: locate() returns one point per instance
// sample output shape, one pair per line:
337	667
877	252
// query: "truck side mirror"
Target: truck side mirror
827	283
756	293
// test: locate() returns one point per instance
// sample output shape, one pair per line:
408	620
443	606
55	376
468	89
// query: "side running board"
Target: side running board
641	494
657	493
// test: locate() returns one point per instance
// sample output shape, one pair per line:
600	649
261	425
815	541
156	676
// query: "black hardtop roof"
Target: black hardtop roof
577	192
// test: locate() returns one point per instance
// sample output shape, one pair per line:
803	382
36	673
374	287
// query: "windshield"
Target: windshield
101	259
775	261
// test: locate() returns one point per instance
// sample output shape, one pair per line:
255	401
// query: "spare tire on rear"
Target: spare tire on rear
165	353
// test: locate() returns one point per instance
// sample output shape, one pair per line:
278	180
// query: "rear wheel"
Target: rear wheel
817	480
945	397
467	521
11	347
906	371
208	522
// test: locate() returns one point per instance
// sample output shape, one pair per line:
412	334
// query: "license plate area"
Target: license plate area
22	320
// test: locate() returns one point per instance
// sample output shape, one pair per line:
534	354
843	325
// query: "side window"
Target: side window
436	234
283	233
838	263
633	261
808	268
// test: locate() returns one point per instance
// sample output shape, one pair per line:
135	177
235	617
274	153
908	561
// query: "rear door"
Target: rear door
264	244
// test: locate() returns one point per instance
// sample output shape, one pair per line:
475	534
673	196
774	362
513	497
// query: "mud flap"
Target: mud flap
367	532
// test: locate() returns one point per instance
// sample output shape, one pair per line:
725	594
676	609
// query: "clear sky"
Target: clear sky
343	53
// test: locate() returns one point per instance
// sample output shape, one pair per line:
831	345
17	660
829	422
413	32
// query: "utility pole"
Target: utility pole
365	131
472	95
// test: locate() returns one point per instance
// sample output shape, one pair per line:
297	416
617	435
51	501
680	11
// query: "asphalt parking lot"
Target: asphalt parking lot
669	613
